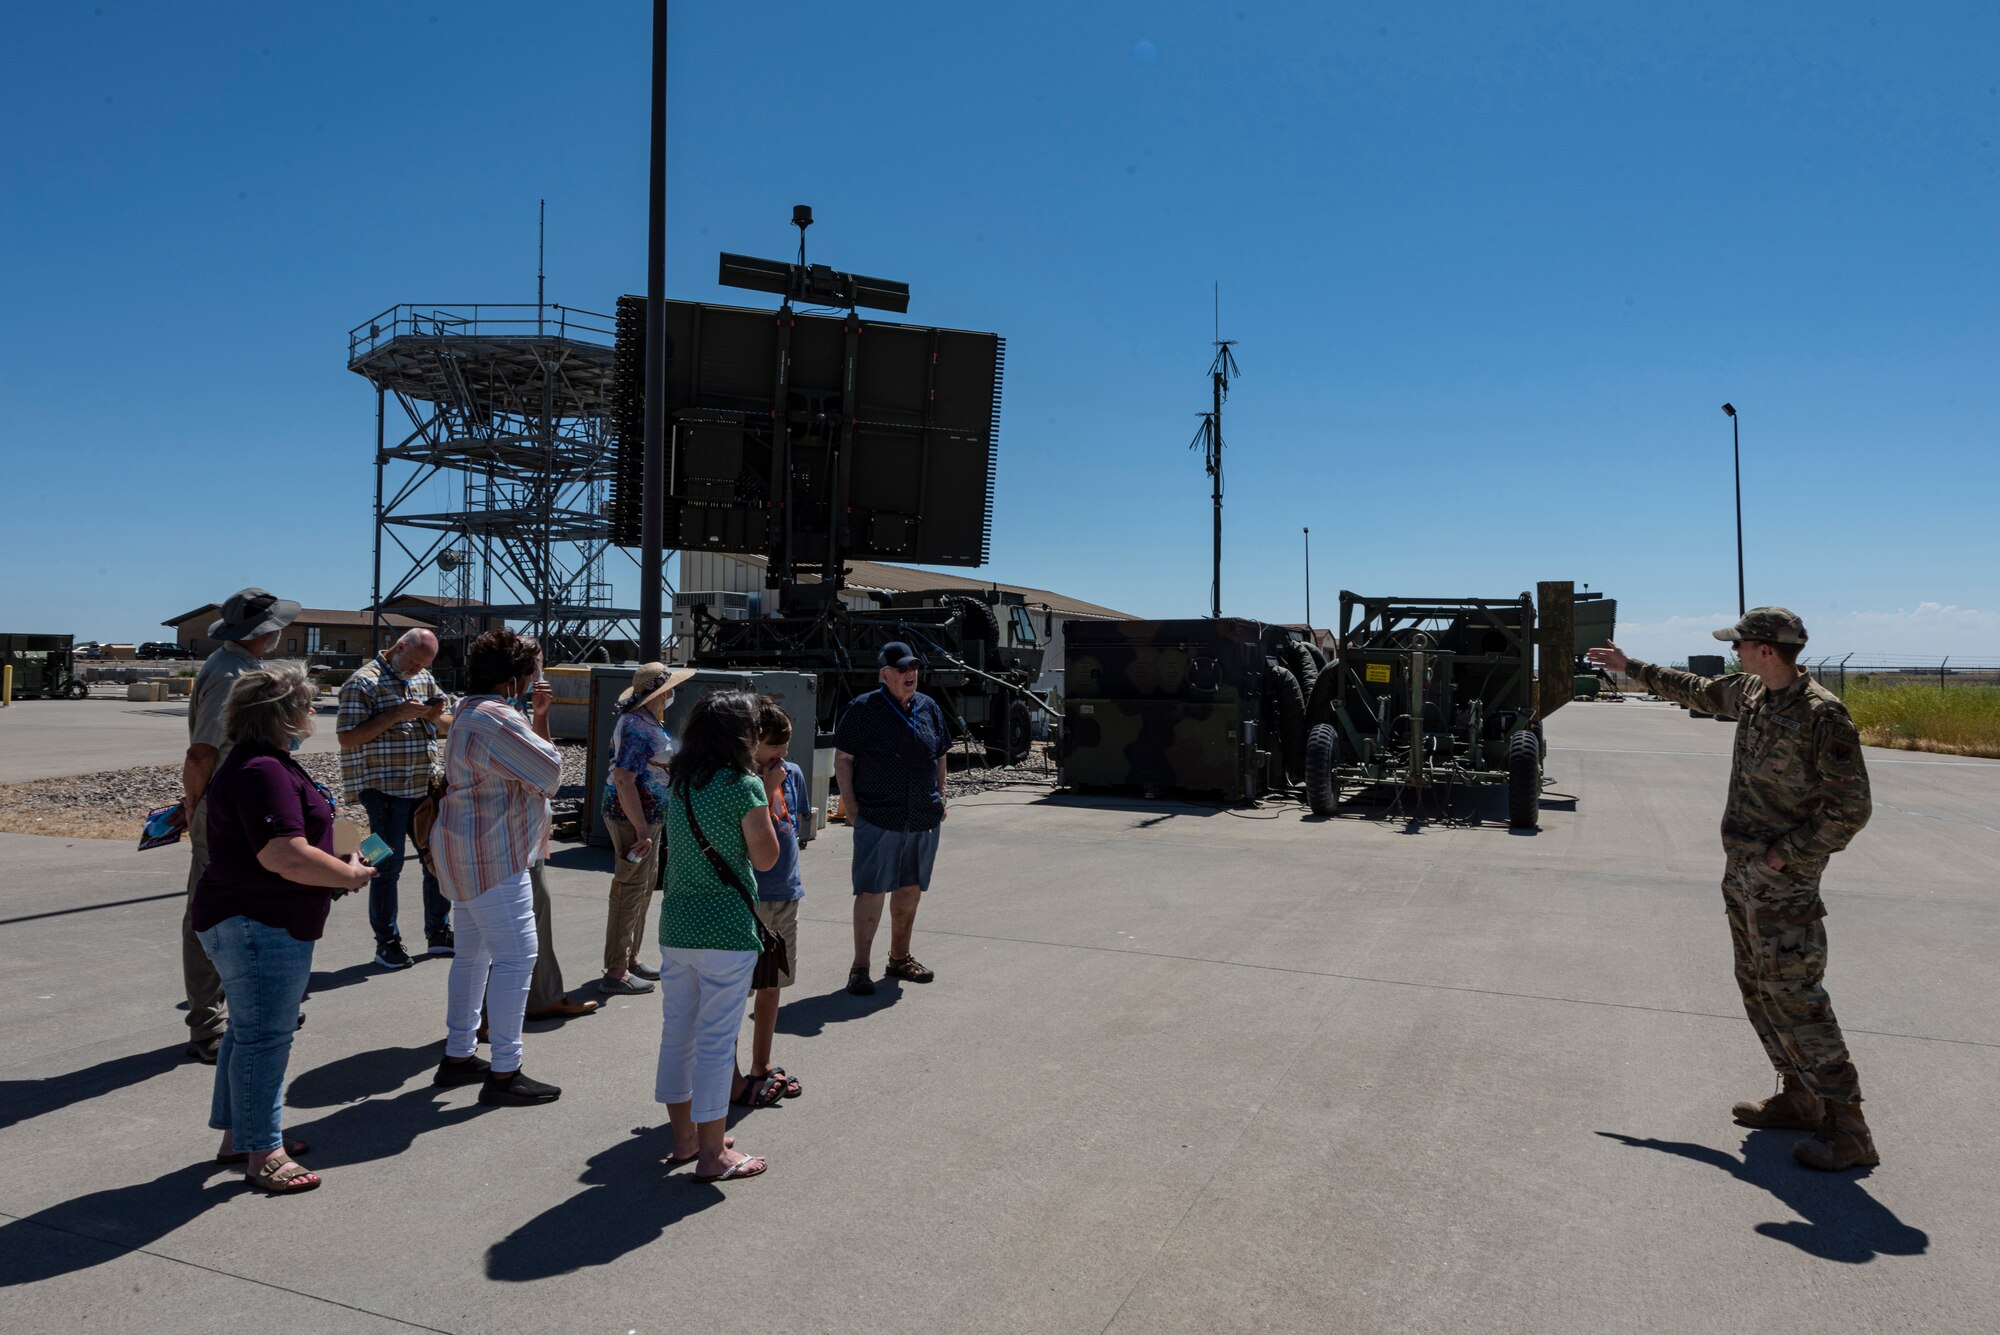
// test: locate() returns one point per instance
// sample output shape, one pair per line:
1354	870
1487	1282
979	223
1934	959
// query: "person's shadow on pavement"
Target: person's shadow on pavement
626	1205
808	1017
21	1100
362	1075
1838	1219
380	1128
101	1226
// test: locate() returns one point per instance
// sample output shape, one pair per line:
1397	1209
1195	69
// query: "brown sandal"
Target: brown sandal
274	1179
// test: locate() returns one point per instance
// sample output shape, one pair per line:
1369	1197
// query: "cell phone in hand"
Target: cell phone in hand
374	850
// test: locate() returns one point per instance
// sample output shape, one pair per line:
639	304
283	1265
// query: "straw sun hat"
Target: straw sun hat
651	682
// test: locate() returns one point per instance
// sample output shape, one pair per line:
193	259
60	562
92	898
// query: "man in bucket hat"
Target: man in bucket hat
248	629
1798	793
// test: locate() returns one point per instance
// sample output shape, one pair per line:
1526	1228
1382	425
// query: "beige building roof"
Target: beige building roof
308	616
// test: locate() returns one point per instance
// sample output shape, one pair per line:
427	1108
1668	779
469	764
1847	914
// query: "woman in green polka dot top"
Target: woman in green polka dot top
708	932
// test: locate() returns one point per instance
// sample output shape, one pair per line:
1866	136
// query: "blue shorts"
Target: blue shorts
886	860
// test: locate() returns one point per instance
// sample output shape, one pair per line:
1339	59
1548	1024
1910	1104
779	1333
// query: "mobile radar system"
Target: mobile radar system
811	440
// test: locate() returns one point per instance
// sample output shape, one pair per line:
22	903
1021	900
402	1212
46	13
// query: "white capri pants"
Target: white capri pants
701	1006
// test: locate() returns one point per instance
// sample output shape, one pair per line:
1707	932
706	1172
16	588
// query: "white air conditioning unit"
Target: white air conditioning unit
723	605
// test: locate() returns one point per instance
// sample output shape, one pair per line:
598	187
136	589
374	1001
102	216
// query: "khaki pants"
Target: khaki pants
1779	942
546	988
206	1017
632	886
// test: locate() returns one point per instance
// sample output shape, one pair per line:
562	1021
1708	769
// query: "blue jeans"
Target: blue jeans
390	817
264	971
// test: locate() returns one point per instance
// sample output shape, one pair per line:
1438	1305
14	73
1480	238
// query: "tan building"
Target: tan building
323	634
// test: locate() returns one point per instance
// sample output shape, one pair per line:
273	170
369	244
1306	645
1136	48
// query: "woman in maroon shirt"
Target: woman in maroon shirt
258	909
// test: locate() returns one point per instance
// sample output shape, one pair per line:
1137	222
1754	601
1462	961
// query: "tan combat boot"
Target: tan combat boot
1794	1107
1842	1141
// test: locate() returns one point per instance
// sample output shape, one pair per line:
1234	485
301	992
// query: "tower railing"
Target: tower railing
477	320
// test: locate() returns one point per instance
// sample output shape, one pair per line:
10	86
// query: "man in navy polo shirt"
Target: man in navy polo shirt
889	759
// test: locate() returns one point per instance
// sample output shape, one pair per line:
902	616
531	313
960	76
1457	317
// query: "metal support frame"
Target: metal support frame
510	425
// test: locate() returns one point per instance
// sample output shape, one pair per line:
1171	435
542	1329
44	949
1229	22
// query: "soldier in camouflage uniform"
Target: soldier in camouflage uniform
1798	792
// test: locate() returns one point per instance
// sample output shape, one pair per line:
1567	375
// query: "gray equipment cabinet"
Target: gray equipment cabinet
798	692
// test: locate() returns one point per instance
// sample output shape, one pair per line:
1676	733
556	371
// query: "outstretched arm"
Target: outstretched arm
1721	696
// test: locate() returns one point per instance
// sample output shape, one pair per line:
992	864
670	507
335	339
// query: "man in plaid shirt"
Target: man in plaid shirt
391	715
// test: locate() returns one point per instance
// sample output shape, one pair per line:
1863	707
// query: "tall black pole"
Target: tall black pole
1215	425
653	505
1309	579
375	604
1736	448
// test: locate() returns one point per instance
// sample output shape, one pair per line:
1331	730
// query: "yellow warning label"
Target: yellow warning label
1378	672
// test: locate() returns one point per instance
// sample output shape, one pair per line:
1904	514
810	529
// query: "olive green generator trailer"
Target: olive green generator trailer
1439	692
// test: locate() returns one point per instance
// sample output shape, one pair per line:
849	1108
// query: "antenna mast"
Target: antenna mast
1208	438
541	236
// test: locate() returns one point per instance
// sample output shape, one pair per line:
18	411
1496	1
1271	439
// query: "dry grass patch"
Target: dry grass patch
1951	720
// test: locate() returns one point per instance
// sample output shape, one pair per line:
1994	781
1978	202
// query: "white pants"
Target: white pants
701	1001
496	947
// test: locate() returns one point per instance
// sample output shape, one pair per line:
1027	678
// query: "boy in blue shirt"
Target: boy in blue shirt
778	894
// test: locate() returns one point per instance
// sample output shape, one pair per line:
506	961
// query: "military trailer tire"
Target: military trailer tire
1318	655
1014	736
1322	792
1524	780
75	689
977	617
1301	663
1291	720
1319	705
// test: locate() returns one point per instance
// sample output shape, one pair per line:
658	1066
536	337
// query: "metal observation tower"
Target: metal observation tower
500	483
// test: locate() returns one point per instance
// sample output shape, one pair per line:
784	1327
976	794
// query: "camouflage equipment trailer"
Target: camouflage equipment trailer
1198	706
974	666
1431	692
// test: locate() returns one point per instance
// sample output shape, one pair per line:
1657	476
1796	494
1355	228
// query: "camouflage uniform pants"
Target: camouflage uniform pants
1776	928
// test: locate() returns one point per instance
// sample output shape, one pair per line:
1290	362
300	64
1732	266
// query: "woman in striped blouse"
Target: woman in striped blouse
492	825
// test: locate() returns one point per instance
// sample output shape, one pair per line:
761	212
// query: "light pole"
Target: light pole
1736	438
1309	579
653	471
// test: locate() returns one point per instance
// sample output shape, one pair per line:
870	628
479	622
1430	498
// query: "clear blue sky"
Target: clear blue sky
1492	270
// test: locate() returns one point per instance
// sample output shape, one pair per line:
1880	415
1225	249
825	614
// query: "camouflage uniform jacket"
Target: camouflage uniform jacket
1797	782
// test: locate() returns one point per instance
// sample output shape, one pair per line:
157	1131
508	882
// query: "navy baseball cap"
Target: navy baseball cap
896	654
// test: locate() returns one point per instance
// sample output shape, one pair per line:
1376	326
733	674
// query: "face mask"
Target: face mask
297	742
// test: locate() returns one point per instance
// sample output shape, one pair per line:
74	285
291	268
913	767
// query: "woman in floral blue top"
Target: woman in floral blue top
634	799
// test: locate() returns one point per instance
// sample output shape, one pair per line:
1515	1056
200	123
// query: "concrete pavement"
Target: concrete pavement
43	739
1182	1070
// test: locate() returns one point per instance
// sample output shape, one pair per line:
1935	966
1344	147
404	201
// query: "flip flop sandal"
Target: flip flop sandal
728	1143
761	1092
273	1180
792	1087
295	1148
741	1168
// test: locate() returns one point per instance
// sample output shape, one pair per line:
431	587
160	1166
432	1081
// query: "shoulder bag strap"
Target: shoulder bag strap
765	940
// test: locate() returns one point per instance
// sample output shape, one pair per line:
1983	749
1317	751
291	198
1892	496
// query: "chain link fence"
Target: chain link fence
1836	674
